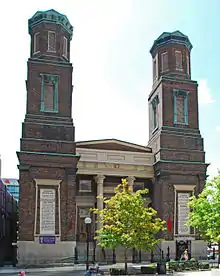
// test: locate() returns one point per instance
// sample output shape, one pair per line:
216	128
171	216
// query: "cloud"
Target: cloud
218	128
204	93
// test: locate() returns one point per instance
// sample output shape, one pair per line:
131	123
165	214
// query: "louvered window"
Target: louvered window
49	93
187	65
48	96
51	41
65	46
180	107
36	43
179	60
154	118
164	61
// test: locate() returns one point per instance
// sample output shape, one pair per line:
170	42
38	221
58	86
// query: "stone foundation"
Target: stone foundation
33	253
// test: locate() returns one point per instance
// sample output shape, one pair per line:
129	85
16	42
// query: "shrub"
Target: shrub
192	260
204	265
148	269
181	266
117	271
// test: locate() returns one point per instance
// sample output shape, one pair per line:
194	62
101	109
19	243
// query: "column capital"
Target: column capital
99	178
131	179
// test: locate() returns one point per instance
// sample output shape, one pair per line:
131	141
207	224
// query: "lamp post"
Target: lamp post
87	222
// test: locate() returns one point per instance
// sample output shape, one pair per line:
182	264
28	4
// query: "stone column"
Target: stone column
99	181
131	180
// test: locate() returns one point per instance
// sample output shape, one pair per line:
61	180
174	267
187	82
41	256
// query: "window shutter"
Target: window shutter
179	60
164	61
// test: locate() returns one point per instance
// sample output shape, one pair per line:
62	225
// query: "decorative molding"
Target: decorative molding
99	179
116	157
50	16
44	182
50	153
185	188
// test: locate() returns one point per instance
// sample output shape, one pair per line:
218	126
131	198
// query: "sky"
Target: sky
112	74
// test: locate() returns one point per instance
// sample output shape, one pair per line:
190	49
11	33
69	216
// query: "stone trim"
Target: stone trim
46	182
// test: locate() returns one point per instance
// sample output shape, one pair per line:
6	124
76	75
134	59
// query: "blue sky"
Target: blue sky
112	74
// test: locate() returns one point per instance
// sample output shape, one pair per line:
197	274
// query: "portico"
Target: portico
103	164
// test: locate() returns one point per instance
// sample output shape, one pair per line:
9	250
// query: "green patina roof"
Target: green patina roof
50	16
166	38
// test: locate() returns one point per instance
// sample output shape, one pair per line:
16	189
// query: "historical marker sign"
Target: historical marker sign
183	213
47	211
47	239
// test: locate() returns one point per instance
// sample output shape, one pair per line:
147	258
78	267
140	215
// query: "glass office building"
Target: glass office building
12	187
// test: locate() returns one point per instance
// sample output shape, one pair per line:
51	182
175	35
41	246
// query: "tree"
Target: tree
205	214
126	221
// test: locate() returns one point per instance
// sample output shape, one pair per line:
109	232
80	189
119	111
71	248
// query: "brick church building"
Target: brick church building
61	178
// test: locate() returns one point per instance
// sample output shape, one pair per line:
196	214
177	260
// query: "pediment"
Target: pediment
112	144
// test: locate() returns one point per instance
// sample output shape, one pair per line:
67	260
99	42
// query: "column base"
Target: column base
33	253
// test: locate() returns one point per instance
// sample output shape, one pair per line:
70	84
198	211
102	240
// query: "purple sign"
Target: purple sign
47	239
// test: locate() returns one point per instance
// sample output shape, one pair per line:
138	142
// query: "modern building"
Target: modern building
12	186
8	226
60	178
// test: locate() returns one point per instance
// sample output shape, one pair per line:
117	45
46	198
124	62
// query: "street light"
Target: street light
88	221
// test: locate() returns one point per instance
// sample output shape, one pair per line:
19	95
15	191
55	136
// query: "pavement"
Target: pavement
79	270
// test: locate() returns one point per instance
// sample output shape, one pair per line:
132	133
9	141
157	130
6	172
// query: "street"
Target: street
80	271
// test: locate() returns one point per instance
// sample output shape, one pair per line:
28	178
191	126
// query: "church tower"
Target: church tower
174	136
47	156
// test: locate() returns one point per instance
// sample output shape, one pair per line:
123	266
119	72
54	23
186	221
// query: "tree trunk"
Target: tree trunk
126	261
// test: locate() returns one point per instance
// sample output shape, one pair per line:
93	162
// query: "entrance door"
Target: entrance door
83	212
181	246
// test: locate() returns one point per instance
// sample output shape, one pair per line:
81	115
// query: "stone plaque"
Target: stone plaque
47	239
47	211
183	213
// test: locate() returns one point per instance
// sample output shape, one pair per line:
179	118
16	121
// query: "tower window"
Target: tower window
187	65
180	106
155	103
51	41
65	41
36	43
49	93
179	60
155	68
164	61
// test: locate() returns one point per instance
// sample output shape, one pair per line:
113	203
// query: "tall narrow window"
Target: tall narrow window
155	103
179	60
164	62
49	93
36	43
65	41
180	106
155	68
187	65
51	41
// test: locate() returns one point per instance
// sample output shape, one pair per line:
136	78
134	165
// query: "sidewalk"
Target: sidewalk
81	267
